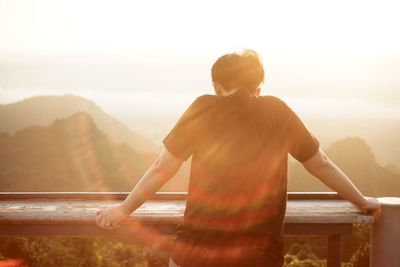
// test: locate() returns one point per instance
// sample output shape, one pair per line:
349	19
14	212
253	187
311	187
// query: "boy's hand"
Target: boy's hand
111	217
371	206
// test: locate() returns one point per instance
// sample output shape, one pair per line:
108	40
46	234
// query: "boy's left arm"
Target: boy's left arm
325	170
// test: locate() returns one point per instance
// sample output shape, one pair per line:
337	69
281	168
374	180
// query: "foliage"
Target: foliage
308	251
84	252
87	252
359	239
302	255
306	263
361	257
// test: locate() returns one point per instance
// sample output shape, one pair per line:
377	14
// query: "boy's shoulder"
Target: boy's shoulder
207	97
205	100
210	97
271	99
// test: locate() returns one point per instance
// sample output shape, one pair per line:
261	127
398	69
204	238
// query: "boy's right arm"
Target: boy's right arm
162	170
325	170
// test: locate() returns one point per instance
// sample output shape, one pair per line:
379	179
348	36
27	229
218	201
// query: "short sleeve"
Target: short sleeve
182	139
302	144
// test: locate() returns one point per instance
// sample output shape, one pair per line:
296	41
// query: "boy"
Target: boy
239	142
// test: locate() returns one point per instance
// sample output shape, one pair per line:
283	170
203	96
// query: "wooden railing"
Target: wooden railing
73	215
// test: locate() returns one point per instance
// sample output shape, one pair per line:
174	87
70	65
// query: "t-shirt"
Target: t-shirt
238	178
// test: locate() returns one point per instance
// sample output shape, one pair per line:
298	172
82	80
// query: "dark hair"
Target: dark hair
238	70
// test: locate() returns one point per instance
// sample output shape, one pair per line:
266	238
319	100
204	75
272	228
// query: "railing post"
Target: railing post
334	242
385	241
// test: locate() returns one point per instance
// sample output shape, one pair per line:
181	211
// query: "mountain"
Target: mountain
43	110
381	134
355	158
72	154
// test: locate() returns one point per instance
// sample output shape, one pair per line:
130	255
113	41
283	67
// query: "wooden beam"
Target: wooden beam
171	211
318	228
334	243
157	196
90	229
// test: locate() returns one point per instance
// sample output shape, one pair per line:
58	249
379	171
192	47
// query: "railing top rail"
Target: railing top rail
157	196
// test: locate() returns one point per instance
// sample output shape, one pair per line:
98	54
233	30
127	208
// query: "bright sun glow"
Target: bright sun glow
311	49
64	26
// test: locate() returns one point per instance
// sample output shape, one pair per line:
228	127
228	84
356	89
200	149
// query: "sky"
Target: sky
326	58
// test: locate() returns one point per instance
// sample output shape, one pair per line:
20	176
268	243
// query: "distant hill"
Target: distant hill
354	156
381	134
71	154
43	110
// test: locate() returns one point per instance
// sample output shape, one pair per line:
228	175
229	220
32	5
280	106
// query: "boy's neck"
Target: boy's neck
231	92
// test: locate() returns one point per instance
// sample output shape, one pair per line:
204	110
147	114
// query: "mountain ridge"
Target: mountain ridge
355	158
71	154
43	110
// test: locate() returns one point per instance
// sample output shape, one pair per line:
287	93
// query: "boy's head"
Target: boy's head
242	70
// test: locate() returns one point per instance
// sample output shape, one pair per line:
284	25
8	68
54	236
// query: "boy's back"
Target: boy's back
238	178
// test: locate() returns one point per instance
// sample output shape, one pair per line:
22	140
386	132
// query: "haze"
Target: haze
150	59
